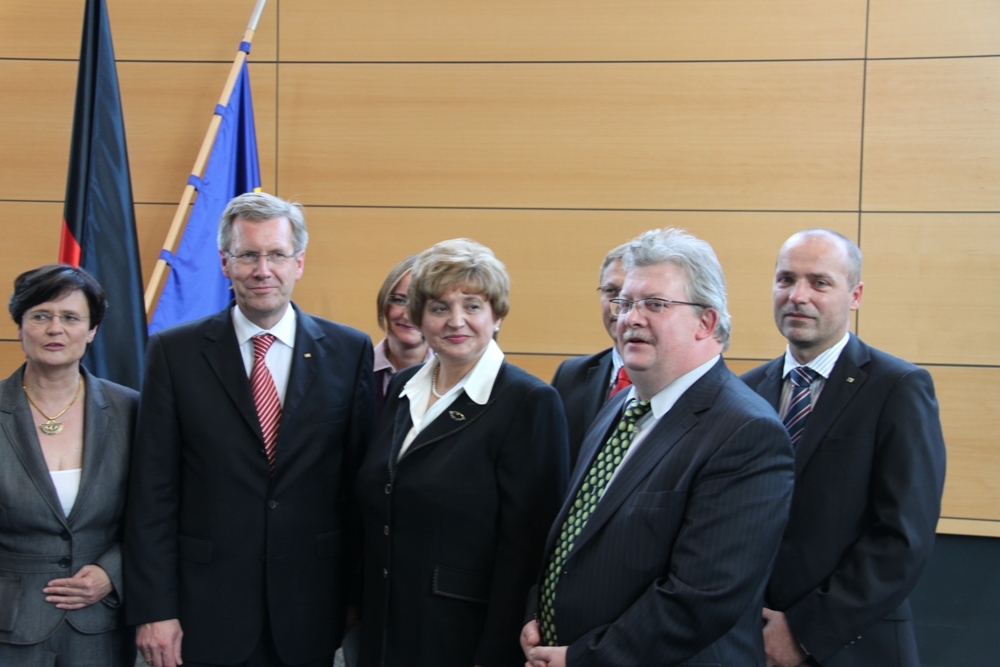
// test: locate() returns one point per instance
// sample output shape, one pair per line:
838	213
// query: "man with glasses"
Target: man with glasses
241	523
586	383
678	501
869	461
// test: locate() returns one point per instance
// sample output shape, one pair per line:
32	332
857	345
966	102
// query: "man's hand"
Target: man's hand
160	643
89	585
780	646
530	637
547	656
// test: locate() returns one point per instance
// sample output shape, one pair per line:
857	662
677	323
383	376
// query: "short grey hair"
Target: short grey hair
615	254
705	282
849	246
260	206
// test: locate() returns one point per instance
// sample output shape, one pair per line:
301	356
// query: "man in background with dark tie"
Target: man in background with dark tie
241	537
869	462
586	383
660	553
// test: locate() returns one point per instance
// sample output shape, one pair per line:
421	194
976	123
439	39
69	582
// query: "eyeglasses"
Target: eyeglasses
609	291
253	258
652	305
41	318
398	300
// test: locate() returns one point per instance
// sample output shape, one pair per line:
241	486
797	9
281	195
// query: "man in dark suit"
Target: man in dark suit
660	553
241	526
869	463
585	383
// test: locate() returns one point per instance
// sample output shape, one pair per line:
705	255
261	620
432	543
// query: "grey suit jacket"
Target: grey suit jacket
38	542
670	569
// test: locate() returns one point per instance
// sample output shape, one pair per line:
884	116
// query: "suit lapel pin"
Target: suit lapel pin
307	355
456	415
850	379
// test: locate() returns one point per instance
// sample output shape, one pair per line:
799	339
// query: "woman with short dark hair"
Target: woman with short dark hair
64	445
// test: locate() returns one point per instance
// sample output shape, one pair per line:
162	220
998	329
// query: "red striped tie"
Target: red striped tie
622	381
265	396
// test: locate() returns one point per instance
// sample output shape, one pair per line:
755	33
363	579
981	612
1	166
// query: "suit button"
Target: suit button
385	573
385	529
64	562
272	504
64	535
388	489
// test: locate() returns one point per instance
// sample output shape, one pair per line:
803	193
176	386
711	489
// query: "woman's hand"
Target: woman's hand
91	584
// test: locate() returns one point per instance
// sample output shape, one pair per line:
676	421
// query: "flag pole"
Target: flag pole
177	226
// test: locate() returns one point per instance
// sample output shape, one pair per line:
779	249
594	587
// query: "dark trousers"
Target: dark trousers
264	655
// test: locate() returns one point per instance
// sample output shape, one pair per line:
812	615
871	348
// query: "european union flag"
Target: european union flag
196	287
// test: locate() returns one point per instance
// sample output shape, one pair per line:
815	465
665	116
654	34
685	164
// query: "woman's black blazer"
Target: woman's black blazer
454	531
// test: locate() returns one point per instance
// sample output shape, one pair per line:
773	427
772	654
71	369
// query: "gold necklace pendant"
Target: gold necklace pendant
52	427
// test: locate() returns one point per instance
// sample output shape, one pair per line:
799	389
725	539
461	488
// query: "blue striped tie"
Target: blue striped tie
800	404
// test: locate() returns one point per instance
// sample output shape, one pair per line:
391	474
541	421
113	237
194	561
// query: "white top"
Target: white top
279	356
659	406
822	364
477	383
67	483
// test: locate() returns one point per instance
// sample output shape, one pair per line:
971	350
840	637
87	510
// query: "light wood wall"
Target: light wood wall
552	131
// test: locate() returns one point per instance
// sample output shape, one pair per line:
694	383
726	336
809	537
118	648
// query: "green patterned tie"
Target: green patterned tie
596	480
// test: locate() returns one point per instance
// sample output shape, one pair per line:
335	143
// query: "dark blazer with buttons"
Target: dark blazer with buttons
870	472
454	530
211	538
583	384
38	542
671	566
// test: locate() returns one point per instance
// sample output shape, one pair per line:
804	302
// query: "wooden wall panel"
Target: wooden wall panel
49	29
921	28
677	136
553	258
11	356
542	366
167	109
36	122
152	222
931	140
190	30
968	398
547	30
928	286
30	239
178	30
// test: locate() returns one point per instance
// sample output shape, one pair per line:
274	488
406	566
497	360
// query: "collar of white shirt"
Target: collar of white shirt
665	399
822	364
284	330
477	383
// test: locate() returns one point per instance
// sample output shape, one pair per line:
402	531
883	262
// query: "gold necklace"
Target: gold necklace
52	427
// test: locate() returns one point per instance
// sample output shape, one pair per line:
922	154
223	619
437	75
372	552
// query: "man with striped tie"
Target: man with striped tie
869	462
241	533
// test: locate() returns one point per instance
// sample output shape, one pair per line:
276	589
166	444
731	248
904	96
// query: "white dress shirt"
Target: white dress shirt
279	356
822	364
659	406
477	383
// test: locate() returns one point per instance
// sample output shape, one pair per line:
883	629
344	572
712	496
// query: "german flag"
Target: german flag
98	232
